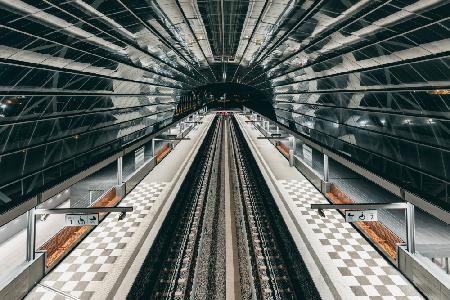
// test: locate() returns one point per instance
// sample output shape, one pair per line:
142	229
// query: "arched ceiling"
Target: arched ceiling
368	79
187	43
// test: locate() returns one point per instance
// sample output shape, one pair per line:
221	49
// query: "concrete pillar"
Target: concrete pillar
278	130
31	234
325	168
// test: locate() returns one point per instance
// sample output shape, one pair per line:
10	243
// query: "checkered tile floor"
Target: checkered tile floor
81	273
351	262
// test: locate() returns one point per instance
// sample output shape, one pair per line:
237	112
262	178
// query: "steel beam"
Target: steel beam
172	139
83	210
362	206
272	137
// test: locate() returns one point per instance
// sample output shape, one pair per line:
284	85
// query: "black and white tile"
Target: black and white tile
81	273
358	270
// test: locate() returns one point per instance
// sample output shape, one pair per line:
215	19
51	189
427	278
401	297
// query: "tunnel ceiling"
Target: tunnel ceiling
223	22
80	79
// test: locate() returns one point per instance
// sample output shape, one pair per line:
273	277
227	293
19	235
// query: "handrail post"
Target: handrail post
410	228
31	234
119	171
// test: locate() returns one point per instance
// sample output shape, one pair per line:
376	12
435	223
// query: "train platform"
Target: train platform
342	263
428	229
104	263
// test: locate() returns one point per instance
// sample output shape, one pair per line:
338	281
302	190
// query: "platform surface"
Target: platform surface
429	230
82	272
341	262
88	271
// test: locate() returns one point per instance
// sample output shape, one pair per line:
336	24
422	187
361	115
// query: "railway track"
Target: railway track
188	258
277	267
169	268
271	278
178	274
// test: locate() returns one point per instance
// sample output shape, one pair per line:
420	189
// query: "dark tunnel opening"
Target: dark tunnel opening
230	95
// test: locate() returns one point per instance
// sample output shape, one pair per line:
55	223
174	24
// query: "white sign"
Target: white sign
138	157
361	215
80	220
307	154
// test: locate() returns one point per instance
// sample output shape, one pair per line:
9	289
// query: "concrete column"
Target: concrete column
31	234
410	228
325	168
119	171
278	130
